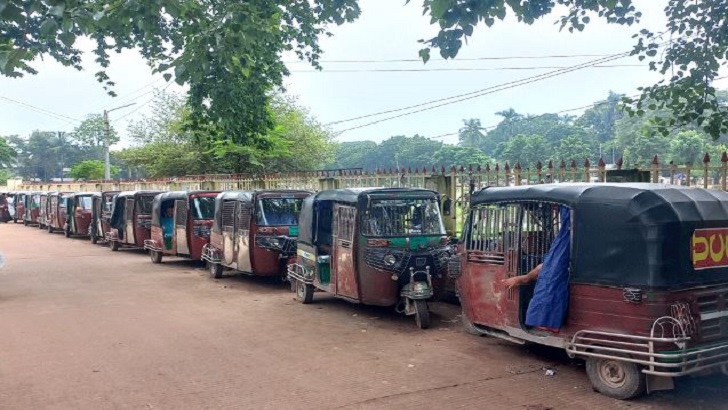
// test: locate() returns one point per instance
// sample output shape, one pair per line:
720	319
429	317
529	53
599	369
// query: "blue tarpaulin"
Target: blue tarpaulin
551	295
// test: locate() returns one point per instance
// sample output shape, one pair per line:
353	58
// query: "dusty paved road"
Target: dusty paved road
84	328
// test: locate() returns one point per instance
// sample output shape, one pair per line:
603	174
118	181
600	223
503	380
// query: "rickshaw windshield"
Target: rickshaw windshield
278	211
400	217
84	202
144	204
203	207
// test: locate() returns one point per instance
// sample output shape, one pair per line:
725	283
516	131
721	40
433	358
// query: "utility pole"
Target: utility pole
107	136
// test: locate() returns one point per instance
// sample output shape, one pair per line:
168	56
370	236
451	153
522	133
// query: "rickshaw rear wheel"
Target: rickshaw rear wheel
25	223
67	233
422	314
304	292
94	239
50	229
156	256
616	378
215	270
114	245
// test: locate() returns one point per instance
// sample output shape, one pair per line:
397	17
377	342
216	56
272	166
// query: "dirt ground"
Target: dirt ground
84	328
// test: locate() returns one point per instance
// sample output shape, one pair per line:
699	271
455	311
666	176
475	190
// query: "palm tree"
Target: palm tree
510	117
471	134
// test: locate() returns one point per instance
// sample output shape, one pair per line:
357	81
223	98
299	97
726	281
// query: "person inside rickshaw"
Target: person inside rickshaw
167	222
546	309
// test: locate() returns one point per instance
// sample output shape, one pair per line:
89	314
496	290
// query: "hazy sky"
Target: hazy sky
387	30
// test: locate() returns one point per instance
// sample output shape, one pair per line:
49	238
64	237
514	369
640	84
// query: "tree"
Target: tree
89	136
355	154
644	147
471	134
451	155
526	149
91	170
574	148
688	147
7	154
689	51
166	121
228	52
601	118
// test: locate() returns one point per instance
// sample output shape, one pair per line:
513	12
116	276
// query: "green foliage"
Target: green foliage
471	134
698	43
91	170
7	154
89	136
168	147
574	148
600	120
228	52
688	147
450	155
643	148
526	149
4	176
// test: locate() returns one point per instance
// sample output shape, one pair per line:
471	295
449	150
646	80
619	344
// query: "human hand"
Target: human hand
511	282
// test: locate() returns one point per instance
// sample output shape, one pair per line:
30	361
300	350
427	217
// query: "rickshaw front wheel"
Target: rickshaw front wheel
25	223
215	270
94	239
156	256
114	245
50	229
67	233
422	314
304	292
616	378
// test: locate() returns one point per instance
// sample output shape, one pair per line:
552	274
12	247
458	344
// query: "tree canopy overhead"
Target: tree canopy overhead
695	43
227	51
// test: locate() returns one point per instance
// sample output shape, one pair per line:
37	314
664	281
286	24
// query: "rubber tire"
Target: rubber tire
114	246
215	270
156	256
304	292
25	223
422	314
634	385
50	229
94	239
67	233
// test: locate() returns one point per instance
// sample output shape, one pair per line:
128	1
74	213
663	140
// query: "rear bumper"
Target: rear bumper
659	355
211	254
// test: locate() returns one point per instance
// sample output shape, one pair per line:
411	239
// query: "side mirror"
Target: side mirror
454	241
447	207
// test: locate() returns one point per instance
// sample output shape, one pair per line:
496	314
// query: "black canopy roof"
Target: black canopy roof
170	196
307	218
630	234
117	210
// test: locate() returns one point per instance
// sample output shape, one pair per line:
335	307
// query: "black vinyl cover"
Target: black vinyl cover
242	196
117	211
353	196
631	234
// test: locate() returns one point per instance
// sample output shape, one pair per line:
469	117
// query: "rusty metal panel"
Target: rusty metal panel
343	269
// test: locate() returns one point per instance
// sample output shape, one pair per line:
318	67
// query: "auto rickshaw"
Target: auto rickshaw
131	219
31	209
633	278
78	222
43	210
254	232
5	215
181	224
19	204
376	246
102	203
57	210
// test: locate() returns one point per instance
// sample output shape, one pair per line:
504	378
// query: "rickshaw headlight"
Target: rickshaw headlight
390	260
275	242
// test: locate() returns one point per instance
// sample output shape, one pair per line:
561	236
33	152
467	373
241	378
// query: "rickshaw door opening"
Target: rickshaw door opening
180	227
343	271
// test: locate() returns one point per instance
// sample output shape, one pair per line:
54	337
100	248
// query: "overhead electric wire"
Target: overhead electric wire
596	104
55	115
410	70
117	100
469	96
140	106
526	80
417	60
